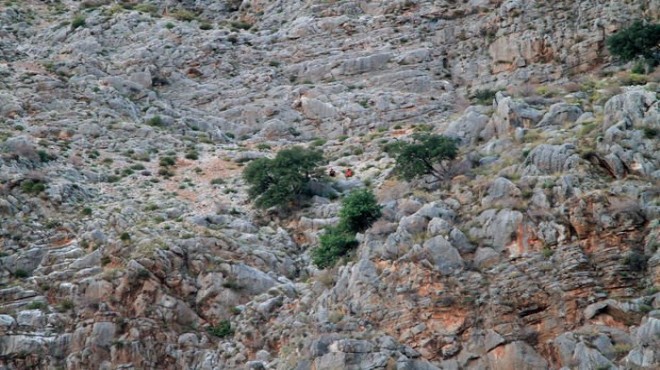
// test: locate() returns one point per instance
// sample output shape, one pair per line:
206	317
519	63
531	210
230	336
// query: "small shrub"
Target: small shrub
192	154
318	142
638	68
36	305
263	147
217	181
335	243
155	121
44	156
21	274
635	261
241	25
66	305
169	25
125	236
222	330
651	132
167	161
78	21
205	26
143	274
184	15
87	211
484	97
547	252
32	186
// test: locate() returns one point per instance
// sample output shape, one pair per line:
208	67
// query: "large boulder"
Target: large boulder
561	113
628	108
548	159
509	115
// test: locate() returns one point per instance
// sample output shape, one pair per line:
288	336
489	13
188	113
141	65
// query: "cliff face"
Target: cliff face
128	240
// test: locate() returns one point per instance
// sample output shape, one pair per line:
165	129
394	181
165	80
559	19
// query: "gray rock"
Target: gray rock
443	255
469	126
33	319
548	159
516	355
648	333
485	257
351	346
501	192
510	114
588	358
365	64
438	226
413	224
7	323
628	108
560	114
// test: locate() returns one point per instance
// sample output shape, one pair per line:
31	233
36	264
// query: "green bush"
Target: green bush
223	329
651	132
167	161
21	274
36	305
279	181
66	305
359	211
636	261
484	97
428	154
32	186
78	21
184	15
639	40
155	121
335	243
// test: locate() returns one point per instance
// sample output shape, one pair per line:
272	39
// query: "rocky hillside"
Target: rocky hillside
128	240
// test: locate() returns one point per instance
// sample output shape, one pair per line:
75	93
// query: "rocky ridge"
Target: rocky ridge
128	240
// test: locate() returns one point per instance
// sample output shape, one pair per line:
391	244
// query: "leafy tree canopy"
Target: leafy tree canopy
283	179
360	210
638	40
427	154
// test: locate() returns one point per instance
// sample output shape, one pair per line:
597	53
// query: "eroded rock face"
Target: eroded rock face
128	239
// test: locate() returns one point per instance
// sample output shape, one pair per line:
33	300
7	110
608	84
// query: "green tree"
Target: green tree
638	40
360	210
335	243
427	154
283	179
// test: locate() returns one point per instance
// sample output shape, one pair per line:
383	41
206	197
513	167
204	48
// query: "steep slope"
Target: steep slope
129	241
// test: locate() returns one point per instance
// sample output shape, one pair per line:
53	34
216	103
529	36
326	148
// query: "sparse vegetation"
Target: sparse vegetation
222	330
155	121
21	274
32	186
78	21
483	97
